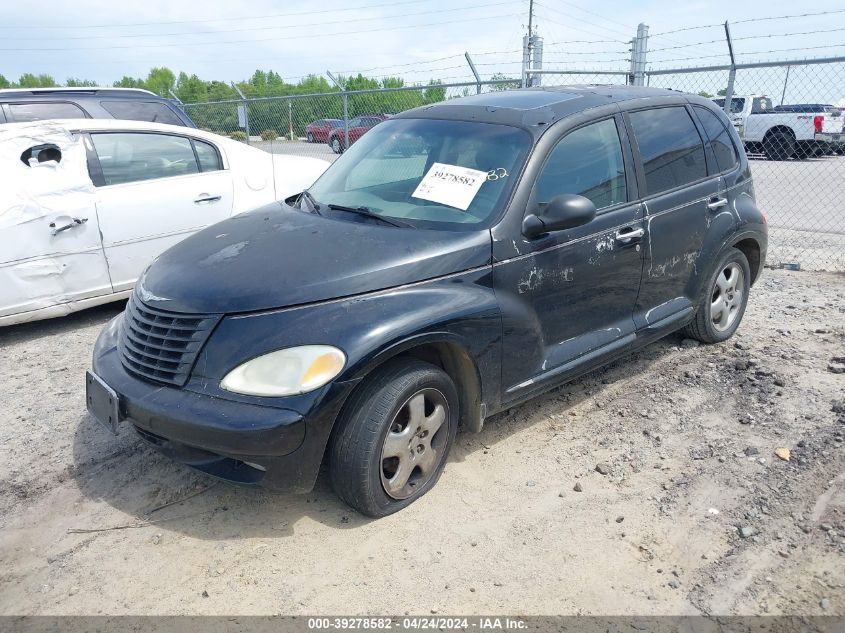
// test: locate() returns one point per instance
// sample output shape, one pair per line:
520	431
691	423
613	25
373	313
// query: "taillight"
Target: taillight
818	121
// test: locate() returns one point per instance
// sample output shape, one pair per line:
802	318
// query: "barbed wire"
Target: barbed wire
777	50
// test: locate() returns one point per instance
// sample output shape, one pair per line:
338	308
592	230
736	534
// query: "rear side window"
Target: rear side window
587	162
720	139
40	111
149	111
208	157
126	157
670	146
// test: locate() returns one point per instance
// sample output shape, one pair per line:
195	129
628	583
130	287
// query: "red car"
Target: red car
357	127
318	131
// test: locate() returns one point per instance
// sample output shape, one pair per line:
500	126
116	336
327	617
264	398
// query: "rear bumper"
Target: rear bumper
824	137
268	446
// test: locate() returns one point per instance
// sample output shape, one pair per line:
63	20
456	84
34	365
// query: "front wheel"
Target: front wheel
391	443
337	146
723	303
310	137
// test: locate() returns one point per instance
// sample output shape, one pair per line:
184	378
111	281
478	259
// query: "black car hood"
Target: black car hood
277	256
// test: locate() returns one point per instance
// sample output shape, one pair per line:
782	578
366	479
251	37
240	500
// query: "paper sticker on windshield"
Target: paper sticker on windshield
450	185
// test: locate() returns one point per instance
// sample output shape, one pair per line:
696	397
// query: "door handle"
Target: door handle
204	198
717	203
626	236
55	230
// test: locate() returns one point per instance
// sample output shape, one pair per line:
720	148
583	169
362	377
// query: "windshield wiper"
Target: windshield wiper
315	206
367	212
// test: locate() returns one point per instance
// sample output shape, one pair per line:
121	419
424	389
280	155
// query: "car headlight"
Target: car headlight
286	372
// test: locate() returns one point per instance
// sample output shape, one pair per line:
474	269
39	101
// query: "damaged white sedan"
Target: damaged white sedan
87	204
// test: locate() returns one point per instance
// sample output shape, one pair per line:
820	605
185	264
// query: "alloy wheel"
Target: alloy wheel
727	296
414	445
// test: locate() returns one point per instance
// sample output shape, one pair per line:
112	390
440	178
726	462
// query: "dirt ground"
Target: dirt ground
695	514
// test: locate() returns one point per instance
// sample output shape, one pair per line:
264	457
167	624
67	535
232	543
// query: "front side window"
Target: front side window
127	157
587	162
670	146
453	175
720	139
149	111
41	111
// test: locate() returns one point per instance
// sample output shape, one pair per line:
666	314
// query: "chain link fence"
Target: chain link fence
797	163
796	160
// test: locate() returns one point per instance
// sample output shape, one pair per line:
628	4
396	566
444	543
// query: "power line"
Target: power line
263	28
572	17
269	39
206	21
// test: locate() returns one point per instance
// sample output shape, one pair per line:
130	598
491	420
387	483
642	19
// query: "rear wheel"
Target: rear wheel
391	443
723	303
337	146
779	145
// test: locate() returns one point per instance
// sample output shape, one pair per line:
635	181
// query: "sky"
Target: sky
414	39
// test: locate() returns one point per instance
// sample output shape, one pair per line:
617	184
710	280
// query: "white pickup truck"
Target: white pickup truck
781	135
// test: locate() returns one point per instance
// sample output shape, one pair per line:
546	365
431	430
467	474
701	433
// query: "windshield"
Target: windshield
429	173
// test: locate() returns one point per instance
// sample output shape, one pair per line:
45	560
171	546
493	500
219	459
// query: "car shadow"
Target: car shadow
133	478
23	332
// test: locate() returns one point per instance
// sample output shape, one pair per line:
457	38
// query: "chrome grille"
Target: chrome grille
161	345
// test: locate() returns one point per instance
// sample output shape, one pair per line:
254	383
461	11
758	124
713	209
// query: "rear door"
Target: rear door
676	191
51	253
154	190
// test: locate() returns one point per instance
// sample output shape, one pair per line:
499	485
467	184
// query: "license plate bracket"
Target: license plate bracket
102	401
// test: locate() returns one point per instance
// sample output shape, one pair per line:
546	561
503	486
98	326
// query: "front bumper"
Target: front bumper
270	446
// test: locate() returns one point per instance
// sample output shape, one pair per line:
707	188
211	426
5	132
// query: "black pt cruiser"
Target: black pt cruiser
459	259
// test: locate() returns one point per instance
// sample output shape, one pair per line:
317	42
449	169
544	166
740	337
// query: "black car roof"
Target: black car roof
123	93
536	107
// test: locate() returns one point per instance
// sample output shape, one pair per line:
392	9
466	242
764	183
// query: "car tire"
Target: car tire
310	137
779	146
337	146
404	400
723	301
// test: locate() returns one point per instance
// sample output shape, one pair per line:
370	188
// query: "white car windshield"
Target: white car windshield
429	173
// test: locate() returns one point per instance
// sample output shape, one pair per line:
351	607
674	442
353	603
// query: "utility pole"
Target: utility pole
729	91
639	47
243	112
342	87
527	45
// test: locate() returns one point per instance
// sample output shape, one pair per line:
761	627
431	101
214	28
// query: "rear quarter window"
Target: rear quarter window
149	111
720	139
670	147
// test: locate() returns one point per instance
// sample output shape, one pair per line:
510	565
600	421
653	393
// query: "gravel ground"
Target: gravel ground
682	505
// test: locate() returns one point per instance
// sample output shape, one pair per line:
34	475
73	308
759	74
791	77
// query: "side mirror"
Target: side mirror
565	211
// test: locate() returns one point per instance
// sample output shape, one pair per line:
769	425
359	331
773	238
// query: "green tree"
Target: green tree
191	89
723	92
4	83
160	81
28	80
80	83
129	82
515	83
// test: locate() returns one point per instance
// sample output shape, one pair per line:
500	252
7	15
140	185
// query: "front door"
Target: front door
155	190
51	253
577	288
